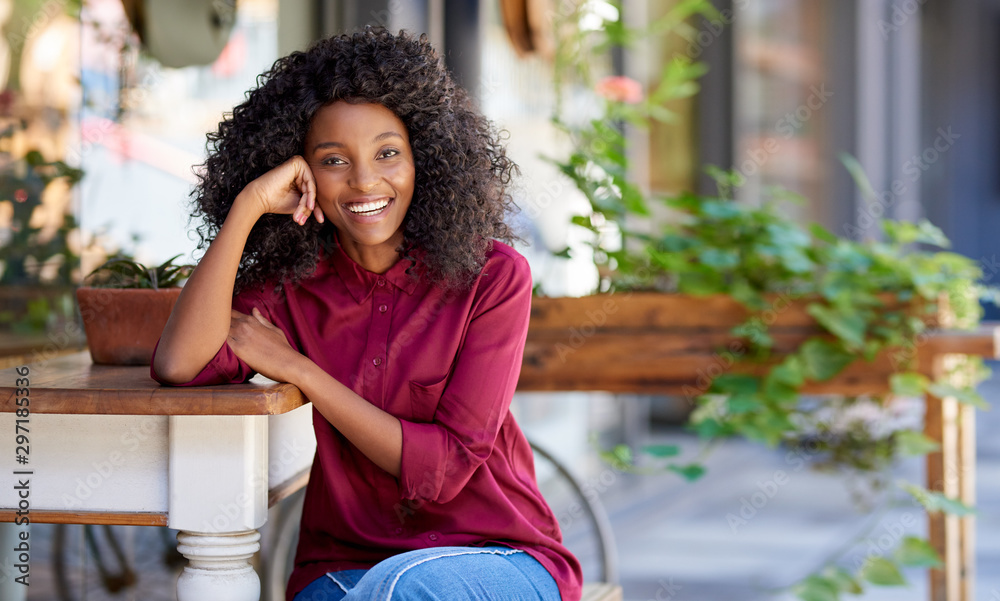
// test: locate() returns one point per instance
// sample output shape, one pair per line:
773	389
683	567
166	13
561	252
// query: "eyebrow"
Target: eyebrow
382	136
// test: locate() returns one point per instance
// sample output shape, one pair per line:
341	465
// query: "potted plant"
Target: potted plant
125	305
760	307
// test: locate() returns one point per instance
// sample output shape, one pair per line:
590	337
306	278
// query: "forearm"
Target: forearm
374	432
199	323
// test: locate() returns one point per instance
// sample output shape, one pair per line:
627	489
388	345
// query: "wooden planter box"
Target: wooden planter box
123	325
671	343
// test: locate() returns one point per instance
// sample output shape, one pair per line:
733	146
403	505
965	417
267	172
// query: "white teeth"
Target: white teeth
369	207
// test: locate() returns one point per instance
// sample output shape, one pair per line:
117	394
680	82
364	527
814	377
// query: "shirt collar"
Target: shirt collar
360	282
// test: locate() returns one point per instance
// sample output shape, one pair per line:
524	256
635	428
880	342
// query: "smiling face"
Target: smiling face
361	158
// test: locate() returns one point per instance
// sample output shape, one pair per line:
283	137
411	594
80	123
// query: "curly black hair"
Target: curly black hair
460	197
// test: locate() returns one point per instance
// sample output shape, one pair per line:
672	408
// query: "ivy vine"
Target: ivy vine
872	299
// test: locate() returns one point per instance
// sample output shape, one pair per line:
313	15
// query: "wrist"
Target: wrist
246	208
299	370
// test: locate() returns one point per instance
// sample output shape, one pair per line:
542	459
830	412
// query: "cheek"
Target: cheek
402	177
327	186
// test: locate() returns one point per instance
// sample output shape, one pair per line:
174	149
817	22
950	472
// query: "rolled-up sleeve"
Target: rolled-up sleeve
439	458
225	367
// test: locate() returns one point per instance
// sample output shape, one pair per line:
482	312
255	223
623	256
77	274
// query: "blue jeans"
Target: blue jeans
441	574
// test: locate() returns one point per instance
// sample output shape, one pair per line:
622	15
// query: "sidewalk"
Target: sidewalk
680	541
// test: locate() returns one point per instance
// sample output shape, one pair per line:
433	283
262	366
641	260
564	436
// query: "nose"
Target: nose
364	177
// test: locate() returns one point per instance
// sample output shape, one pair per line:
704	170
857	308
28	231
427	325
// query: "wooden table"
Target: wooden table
675	345
108	445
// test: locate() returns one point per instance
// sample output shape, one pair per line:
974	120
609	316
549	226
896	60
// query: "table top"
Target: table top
74	385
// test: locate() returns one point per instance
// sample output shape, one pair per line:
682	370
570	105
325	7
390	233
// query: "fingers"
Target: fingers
260	318
302	211
306	184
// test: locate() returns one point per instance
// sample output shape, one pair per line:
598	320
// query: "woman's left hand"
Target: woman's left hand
262	345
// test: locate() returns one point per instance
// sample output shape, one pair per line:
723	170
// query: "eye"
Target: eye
387	153
332	161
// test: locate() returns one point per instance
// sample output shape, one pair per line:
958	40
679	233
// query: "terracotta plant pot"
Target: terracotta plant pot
123	325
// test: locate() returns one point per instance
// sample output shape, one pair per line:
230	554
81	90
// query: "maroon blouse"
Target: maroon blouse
446	364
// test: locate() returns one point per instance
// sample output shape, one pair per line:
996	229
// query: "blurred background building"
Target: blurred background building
903	85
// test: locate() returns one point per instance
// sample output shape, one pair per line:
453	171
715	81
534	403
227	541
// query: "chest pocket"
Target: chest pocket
424	399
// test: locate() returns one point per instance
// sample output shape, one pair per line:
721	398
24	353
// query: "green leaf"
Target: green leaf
965	396
790	372
913	443
620	457
662	450
742	403
725	180
662	114
821	360
781	394
719	258
690	472
583	221
917	553
849	327
720	209
708	428
736	384
634	201
755	331
904	232
818	588
821	233
860	177
845	581
883	572
785	235
34	158
908	384
622	453
701	283
124	272
935	502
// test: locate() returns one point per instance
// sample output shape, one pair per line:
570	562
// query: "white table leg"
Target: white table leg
218	501
218	567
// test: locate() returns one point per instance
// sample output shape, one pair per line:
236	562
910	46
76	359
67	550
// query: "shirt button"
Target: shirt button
381	282
377	361
383	308
399	530
433	537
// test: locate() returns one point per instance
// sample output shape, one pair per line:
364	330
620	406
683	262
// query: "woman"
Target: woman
389	301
